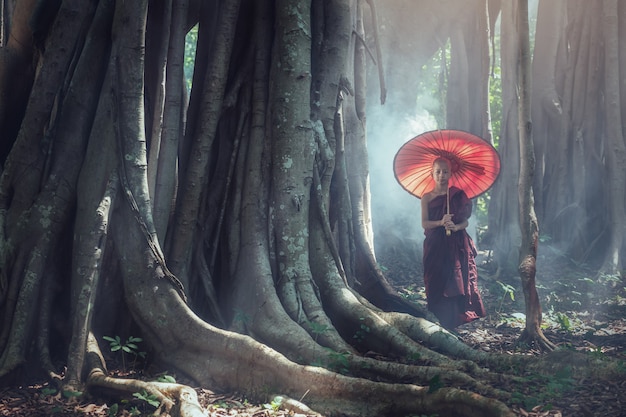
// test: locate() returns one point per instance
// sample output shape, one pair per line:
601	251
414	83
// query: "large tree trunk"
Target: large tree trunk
504	207
572	167
616	152
545	99
468	98
572	146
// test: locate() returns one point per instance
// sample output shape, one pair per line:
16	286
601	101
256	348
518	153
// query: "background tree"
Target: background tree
505	208
529	228
569	104
231	231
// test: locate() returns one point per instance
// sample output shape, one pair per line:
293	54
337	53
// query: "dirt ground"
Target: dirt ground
581	312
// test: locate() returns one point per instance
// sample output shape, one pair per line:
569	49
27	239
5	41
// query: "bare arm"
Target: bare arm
446	220
432	224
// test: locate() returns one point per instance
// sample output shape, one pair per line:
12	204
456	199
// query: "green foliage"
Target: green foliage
481	208
577	294
113	409
338	361
433	83
611	280
495	102
166	379
514	319
506	290
317	329
274	405
564	322
548	388
191	41
72	394
45	391
129	347
414	293
143	396
562	381
148	398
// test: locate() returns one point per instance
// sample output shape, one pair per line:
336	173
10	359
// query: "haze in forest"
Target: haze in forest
395	213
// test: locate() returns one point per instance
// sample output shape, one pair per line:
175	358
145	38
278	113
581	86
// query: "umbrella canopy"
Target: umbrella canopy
475	162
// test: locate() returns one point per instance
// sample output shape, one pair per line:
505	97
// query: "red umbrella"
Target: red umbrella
475	162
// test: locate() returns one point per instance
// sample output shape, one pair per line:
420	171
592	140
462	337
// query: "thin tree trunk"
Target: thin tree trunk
532	333
158	31
166	177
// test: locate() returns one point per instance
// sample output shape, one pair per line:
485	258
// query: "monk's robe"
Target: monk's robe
450	272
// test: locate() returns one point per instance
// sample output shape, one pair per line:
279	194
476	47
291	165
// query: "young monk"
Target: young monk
450	272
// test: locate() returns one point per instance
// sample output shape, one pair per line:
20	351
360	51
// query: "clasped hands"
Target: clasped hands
448	224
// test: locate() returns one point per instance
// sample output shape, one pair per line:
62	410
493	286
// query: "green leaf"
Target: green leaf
70	394
150	399
112	411
167	378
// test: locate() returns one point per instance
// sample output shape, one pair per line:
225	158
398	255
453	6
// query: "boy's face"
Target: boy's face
441	172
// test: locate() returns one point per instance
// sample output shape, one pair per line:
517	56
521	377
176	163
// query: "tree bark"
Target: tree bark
193	176
503	196
545	99
616	155
532	333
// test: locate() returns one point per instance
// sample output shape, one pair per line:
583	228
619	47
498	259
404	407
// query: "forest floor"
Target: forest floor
582	312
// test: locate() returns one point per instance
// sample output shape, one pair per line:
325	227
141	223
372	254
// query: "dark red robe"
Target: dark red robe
450	272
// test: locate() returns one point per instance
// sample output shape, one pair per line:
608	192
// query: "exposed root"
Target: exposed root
433	335
176	400
294	406
537	340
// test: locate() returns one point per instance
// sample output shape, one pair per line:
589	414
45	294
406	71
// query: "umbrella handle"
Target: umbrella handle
448	232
